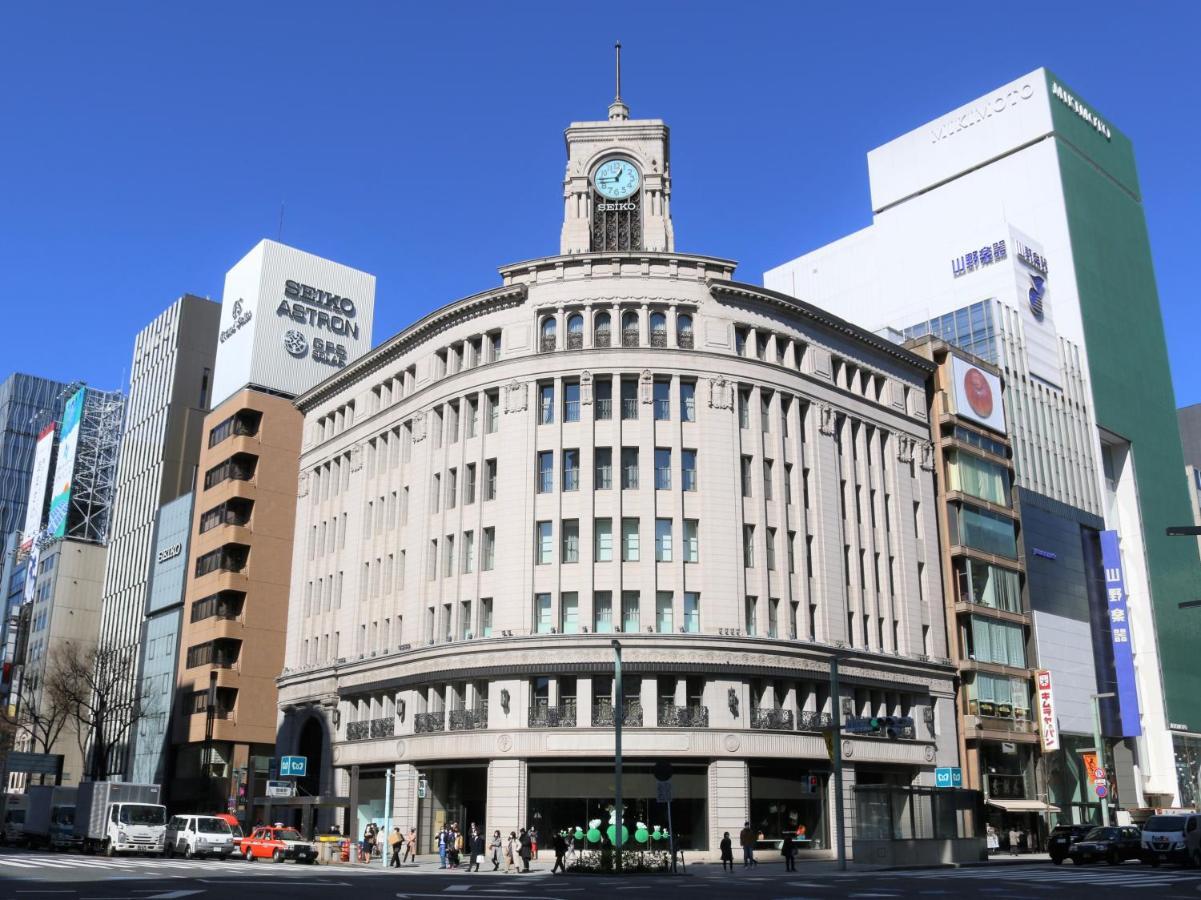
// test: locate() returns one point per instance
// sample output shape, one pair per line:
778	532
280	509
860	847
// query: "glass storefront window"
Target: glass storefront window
784	800
983	530
978	477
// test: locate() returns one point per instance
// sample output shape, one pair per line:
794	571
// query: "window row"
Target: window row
602	541
446	490
633	392
227	558
330	479
602	479
467	354
243	423
770	556
334	422
602	331
462	417
442	554
393	389
239	467
563	616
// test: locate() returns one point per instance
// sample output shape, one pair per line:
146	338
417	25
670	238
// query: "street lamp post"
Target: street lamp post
1100	748
389	774
836	762
618	715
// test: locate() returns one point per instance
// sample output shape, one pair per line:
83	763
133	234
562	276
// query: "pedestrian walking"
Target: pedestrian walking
788	850
368	845
494	847
746	838
443	847
560	845
511	848
525	845
727	852
456	845
394	843
477	850
991	839
1015	841
533	842
410	847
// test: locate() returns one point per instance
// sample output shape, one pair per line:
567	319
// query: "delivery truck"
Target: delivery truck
113	817
50	817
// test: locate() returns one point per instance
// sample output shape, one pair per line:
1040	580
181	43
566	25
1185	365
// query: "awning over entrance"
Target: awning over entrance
1036	806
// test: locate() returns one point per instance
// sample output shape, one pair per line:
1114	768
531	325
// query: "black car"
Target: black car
1114	844
1061	839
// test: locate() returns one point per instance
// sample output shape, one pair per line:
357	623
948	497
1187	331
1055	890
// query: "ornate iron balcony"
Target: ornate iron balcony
684	339
602	714
429	722
565	715
658	338
601	338
771	719
629	337
575	340
358	731
693	716
469	719
547	343
814	721
385	727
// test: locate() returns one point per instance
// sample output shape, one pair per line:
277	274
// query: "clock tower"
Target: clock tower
617	191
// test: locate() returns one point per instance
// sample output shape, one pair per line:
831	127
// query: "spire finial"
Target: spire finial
618	111
617	48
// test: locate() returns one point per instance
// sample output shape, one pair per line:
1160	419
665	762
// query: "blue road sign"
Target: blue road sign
948	777
295	766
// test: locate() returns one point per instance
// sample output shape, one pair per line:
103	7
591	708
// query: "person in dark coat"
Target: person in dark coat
526	850
727	852
788	850
560	845
477	850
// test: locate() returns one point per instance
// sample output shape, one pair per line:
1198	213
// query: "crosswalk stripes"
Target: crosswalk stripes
122	863
1127	876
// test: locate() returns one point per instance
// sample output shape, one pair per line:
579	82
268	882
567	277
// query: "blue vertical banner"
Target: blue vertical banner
1119	632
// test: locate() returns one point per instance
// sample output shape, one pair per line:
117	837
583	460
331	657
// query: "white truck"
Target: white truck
113	817
50	817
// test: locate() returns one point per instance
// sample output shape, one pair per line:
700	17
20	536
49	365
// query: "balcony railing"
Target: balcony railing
473	719
602	714
629	478
604	408
658	338
692	716
429	722
684	339
1005	787
601	338
366	729
384	727
547	344
358	731
575	340
814	721
629	337
565	715
771	719
571	479
629	408
571	410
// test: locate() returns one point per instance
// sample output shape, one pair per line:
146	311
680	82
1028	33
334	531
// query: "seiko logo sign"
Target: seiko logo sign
240	320
628	206
326	352
170	552
980	112
1082	111
306	304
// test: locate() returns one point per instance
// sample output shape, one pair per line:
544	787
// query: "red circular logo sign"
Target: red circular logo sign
979	394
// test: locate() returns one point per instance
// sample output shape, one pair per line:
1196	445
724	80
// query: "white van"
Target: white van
1172	837
195	836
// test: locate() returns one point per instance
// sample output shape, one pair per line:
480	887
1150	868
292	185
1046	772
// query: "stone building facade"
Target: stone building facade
616	444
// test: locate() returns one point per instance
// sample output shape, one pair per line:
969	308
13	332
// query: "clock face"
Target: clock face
616	179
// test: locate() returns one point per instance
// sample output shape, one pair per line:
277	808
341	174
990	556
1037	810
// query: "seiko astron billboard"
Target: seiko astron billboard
289	320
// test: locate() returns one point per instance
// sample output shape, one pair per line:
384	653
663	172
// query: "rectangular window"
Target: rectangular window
629	399
663	612
662	469
452	488
546	471
692	612
692	541
629	468
661	393
748	546
788	483
773	617
982	530
987	585
663	540
688	401
569	612
747	468
571	401
436	493
603	390
765	411
604	468
469	484
544	544
978	477
792	552
490	479
751	603
688	470
542	613
469	552
771	549
473	411
571	470
629	540
767	479
546	404
991	641
602	612
630	619
571	540
744	408
604	540
448	556
492	402
486	617
488	560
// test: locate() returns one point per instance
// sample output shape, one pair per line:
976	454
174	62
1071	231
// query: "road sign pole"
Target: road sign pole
388	776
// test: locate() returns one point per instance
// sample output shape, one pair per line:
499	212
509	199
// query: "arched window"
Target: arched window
684	331
658	329
629	329
548	334
575	331
600	336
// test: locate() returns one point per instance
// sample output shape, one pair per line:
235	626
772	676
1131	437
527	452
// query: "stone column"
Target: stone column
508	795
729	802
404	797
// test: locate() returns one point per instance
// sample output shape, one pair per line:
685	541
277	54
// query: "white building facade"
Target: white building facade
620	442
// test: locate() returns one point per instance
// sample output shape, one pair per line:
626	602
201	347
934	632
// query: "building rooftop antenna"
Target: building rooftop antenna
617	109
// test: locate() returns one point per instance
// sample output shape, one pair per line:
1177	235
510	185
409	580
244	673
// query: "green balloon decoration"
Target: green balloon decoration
594	835
579	834
640	835
657	834
625	835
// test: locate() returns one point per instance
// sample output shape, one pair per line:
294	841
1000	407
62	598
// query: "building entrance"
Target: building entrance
456	795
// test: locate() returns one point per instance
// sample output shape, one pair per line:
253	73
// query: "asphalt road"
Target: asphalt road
45	876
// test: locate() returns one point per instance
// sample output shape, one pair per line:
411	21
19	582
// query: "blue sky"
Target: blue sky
144	148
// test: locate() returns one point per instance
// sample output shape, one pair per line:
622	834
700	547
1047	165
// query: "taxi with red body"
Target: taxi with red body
277	843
